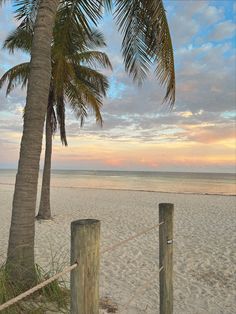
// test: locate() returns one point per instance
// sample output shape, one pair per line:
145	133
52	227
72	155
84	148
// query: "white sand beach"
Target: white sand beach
204	245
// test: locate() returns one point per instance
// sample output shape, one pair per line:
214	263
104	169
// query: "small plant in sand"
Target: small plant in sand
54	298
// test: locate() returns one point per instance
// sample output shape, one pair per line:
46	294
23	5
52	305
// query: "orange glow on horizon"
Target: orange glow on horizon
202	148
118	154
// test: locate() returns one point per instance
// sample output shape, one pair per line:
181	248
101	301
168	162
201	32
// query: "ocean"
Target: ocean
168	182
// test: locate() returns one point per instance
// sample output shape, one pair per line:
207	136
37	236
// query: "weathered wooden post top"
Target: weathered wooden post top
85	242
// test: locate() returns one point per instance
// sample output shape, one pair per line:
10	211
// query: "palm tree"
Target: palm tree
79	83
20	255
146	40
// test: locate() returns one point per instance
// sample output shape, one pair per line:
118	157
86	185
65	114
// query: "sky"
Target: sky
139	131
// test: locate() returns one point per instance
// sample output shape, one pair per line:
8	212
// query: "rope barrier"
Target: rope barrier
36	288
111	248
145	285
68	269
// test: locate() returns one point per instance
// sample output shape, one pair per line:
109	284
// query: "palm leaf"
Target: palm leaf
26	11
130	20
80	97
93	59
76	102
83	13
15	76
60	110
94	79
19	39
53	121
146	40
95	39
160	47
50	109
106	4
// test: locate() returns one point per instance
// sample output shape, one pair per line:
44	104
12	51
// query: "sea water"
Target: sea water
168	182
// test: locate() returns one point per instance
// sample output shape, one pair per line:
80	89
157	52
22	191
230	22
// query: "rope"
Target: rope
68	269
137	291
113	247
36	288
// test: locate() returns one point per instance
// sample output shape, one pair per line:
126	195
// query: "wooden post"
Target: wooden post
85	241
166	212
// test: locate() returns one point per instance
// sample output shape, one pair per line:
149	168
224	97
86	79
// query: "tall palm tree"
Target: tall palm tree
146	40
78	82
20	255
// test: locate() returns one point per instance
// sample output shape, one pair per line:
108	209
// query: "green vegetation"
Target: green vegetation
53	298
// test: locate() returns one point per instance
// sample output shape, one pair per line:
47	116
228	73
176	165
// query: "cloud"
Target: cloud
182	29
210	13
201	10
209	133
187	18
223	31
137	127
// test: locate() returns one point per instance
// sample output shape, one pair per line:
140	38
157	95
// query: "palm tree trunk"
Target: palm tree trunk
44	207
20	255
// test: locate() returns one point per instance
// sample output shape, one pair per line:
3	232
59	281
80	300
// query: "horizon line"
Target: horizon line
115	170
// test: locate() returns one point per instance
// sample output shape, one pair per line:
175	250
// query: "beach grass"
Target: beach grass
53	298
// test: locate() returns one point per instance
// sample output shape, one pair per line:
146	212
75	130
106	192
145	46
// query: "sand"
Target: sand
204	246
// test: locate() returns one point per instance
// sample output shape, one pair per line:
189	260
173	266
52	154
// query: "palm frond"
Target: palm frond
93	59
26	11
91	98
66	30
53	121
19	39
60	110
134	48
160	47
83	13
146	40
88	11
76	102
15	76
80	96
95	39
95	80
71	34
50	110
106	4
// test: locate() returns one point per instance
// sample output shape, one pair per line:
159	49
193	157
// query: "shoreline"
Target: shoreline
128	171
131	190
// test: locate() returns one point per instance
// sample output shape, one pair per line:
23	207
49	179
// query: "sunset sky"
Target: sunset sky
139	132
